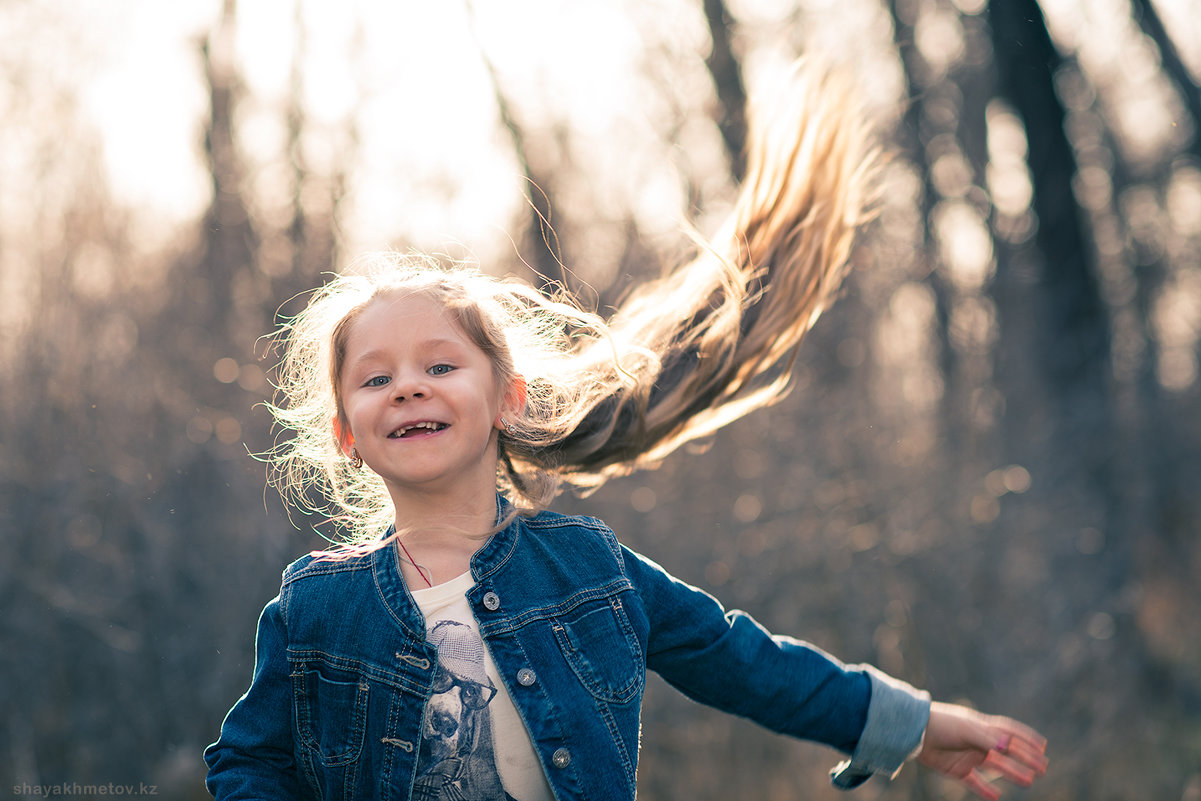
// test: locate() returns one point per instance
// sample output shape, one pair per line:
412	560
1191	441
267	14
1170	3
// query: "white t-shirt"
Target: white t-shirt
473	743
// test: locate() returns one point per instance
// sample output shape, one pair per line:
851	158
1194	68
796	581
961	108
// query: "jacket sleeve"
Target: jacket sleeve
253	757
730	662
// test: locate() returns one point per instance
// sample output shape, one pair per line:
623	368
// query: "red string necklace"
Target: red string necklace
419	568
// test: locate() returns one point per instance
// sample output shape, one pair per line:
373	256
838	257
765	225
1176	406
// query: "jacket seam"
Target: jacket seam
366	669
605	591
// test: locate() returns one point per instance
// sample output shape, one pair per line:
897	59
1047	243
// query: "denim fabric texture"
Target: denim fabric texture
343	672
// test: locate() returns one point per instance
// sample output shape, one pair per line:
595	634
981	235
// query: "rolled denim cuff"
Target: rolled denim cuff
896	723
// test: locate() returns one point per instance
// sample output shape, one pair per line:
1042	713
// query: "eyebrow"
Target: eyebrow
425	344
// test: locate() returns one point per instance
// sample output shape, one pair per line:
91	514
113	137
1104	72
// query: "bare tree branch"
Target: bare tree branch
547	260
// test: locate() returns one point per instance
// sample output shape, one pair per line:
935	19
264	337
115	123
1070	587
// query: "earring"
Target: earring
356	461
509	427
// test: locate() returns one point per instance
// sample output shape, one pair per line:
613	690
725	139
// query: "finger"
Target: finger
1017	729
1010	769
1020	742
975	782
1027	754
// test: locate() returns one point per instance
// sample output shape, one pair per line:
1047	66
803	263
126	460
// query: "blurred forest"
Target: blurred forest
980	481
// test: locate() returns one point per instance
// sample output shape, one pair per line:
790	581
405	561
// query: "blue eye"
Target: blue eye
440	369
377	381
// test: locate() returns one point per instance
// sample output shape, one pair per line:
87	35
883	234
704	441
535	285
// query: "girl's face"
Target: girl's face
422	401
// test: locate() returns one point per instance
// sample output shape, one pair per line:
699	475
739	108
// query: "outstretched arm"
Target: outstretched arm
966	745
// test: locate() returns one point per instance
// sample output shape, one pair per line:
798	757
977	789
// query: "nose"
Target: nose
409	385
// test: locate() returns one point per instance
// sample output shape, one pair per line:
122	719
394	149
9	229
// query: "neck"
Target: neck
441	533
444	526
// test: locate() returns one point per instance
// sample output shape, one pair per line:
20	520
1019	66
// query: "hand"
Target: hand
964	744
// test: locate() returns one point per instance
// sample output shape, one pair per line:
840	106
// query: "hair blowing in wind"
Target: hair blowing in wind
725	326
682	356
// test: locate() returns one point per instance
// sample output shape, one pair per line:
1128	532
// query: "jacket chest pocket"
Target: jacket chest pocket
331	712
602	650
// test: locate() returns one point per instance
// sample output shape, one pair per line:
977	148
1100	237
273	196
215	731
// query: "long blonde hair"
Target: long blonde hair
681	357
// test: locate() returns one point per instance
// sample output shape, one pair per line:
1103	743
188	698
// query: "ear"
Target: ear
513	401
515	397
342	435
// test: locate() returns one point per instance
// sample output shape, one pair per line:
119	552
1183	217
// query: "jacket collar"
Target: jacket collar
385	568
500	546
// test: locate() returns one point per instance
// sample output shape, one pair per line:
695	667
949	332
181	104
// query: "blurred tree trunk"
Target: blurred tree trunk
1152	25
727	82
1162	464
944	117
1071	305
546	262
914	135
1061	289
311	233
210	289
1058	319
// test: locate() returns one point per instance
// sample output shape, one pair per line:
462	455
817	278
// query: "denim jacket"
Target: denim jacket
572	619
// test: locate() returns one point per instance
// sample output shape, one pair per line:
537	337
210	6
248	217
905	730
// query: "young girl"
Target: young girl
466	643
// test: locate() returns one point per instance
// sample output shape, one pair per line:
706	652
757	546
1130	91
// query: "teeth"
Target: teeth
432	426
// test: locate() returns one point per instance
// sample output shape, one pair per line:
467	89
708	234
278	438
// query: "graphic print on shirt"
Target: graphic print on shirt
457	762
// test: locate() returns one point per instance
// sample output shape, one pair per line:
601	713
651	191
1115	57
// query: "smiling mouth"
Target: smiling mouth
417	429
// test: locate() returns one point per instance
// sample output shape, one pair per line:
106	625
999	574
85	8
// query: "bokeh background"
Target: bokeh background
985	479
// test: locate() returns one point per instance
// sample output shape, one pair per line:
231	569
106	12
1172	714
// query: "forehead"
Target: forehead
403	319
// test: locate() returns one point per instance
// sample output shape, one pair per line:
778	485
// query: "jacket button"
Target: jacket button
491	601
561	758
526	677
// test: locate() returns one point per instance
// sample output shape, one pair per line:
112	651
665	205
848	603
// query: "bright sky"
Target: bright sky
426	123
411	71
146	97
